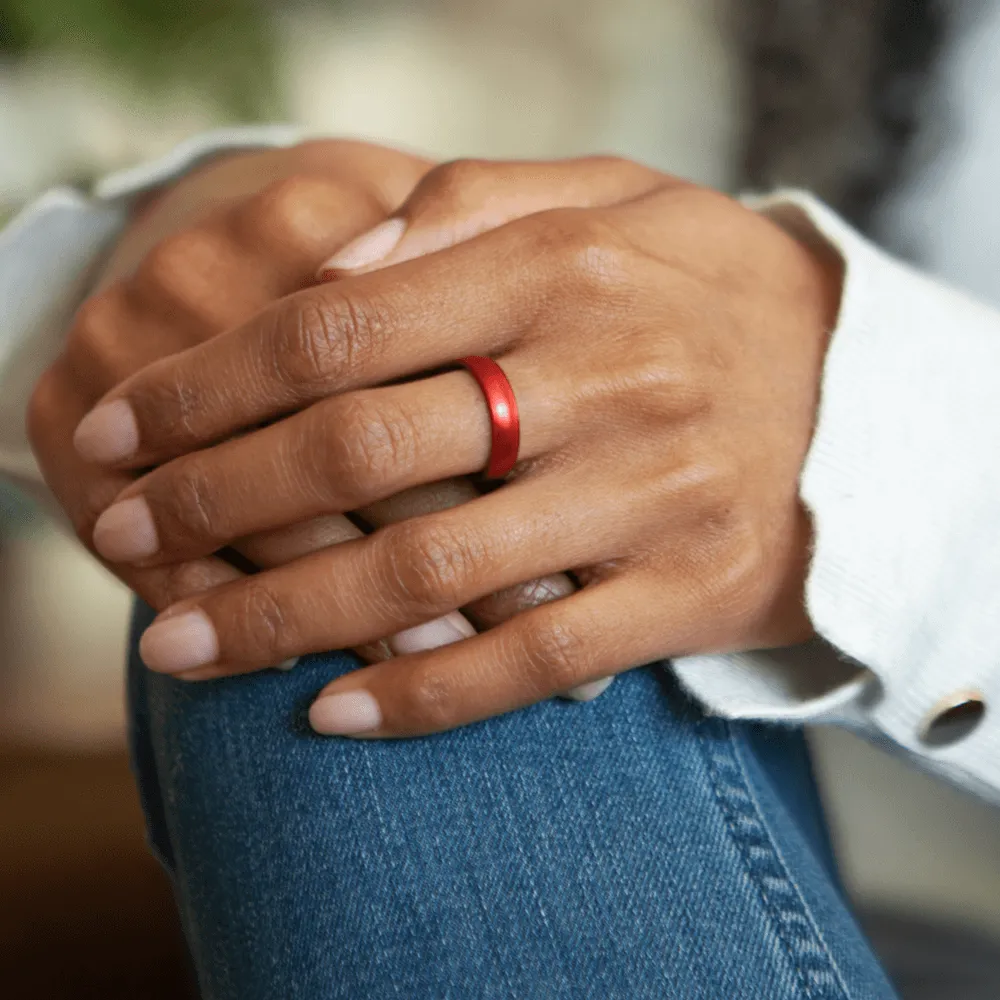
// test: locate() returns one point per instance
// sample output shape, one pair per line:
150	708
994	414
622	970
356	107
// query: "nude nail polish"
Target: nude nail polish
126	531
590	690
368	248
347	714
183	642
108	434
442	631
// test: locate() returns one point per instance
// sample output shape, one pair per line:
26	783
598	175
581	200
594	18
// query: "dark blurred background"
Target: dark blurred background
90	85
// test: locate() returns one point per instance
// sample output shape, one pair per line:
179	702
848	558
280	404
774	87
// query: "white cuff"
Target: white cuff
903	483
48	255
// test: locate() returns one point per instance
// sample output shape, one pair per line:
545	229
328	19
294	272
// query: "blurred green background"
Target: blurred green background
222	47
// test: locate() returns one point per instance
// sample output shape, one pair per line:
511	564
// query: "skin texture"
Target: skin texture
204	255
665	345
207	254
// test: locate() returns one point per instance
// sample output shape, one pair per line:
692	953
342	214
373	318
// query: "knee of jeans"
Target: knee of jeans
141	754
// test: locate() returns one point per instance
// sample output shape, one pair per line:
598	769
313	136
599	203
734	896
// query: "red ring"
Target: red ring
504	420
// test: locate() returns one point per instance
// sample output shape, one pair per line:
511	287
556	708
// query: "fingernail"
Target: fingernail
126	531
366	249
181	643
345	714
288	664
201	674
442	631
374	652
107	434
590	691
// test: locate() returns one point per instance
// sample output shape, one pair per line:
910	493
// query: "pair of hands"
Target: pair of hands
664	345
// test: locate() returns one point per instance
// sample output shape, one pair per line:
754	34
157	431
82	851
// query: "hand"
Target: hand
199	257
665	350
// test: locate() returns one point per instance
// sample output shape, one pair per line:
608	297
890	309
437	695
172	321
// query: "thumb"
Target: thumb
456	201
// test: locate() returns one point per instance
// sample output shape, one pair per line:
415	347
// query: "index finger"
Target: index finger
83	492
470	299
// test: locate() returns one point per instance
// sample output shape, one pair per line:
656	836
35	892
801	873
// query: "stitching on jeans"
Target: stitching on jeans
142	755
818	976
738	746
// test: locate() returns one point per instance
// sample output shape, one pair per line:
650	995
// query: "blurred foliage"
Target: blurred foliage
223	48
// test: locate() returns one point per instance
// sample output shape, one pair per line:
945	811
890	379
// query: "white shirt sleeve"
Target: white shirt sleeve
48	257
903	483
902	479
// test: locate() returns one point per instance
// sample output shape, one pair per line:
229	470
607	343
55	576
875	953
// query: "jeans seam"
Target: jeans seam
143	765
818	975
834	965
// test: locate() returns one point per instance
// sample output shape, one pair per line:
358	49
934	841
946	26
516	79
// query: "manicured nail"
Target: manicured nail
366	249
442	631
590	691
346	714
201	674
108	434
126	532
181	643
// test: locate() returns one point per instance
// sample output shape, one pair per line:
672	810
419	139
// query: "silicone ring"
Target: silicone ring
505	423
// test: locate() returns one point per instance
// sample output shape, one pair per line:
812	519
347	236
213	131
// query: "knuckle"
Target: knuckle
179	269
599	265
284	212
261	623
739	579
430	566
94	342
689	492
458	182
591	254
96	314
169	407
724	541
723	526
313	351
609	162
629	171
712	206
716	485
693	392
706	488
188	501
669	391
327	339
366	446
185	579
429	700
554	656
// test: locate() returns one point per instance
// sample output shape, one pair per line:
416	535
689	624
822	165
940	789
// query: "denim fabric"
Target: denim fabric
624	849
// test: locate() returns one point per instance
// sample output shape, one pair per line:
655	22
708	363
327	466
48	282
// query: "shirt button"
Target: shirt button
953	719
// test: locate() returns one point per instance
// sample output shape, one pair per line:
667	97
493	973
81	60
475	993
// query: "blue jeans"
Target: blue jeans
625	849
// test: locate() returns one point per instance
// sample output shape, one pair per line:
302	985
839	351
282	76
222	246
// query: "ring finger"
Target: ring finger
339	455
400	576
